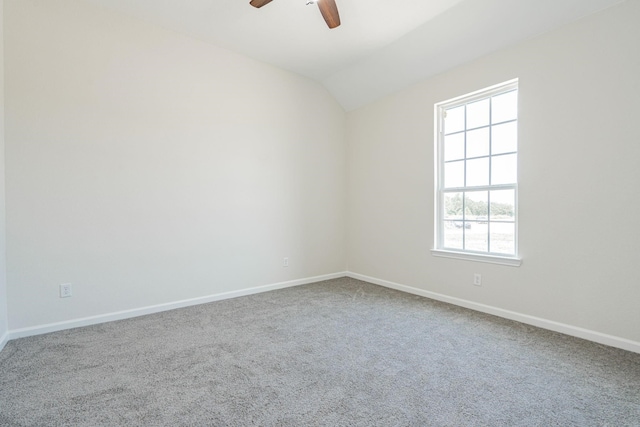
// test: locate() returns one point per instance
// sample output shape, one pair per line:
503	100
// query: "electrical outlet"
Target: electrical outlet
65	290
477	279
285	262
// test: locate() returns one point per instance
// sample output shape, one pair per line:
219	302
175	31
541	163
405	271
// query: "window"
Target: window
476	175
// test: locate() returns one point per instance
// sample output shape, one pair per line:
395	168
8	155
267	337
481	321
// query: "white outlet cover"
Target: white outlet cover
477	279
65	290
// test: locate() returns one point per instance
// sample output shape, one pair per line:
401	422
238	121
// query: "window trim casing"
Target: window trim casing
438	249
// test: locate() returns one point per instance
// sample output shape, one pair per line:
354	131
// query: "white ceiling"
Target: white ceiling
382	45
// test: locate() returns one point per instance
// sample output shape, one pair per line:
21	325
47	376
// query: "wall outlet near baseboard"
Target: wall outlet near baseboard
65	290
477	279
285	262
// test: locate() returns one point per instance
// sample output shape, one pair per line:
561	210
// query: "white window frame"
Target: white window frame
439	248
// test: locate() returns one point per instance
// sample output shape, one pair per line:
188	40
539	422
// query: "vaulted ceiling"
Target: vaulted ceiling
381	47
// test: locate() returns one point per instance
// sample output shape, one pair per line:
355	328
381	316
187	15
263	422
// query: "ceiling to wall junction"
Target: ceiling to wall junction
381	47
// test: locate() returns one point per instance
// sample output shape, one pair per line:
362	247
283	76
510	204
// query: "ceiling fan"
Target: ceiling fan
328	9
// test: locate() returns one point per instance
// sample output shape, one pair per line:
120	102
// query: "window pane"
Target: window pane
504	169
452	206
503	237
478	172
454	174
476	238
478	143
478	114
454	120
453	234
503	204
504	107
504	138
454	146
476	206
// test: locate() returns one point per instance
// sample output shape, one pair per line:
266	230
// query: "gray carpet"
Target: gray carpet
336	353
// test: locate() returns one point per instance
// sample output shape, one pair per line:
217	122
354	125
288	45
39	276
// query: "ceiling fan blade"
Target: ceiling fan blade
259	3
329	12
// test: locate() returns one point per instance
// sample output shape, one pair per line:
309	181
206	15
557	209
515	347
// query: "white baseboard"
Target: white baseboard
574	331
126	314
4	340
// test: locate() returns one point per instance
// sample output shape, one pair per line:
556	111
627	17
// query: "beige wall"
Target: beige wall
3	267
578	170
145	167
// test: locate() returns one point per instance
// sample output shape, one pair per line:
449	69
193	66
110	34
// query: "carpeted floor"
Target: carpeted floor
336	353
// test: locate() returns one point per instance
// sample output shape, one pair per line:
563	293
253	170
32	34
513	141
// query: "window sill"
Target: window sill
491	259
